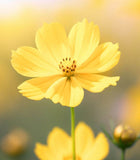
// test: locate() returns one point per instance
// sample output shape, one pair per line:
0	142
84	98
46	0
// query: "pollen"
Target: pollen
68	66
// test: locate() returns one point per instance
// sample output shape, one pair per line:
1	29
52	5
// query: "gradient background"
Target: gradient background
118	20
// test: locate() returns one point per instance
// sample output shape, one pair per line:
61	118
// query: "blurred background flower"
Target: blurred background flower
15	142
132	8
131	112
19	21
127	115
87	145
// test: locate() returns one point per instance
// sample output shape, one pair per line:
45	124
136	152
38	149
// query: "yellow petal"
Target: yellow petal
104	58
36	88
43	152
84	38
59	143
29	62
75	89
99	150
51	40
96	83
65	91
84	138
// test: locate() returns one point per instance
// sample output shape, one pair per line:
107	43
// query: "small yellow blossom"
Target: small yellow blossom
60	145
62	65
125	134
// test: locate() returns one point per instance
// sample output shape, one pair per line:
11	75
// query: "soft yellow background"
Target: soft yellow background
118	20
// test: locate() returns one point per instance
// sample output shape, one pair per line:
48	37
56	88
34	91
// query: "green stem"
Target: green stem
73	131
123	154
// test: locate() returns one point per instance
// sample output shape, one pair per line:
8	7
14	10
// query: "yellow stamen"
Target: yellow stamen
68	66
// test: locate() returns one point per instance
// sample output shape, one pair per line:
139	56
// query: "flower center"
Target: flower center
71	158
68	66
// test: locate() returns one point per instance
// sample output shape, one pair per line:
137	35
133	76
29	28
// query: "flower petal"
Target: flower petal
84	138
84	38
29	62
99	150
96	83
65	91
51	40
43	152
59	143
36	88
104	58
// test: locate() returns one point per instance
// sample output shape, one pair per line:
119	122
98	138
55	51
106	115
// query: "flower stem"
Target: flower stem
73	131
123	154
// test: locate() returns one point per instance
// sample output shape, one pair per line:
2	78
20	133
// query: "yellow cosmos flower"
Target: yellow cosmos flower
60	145
62	66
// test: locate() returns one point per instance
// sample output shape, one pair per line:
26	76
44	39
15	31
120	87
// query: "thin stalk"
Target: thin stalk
123	154
73	131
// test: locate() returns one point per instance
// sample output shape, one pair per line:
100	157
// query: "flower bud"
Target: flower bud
124	136
15	142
